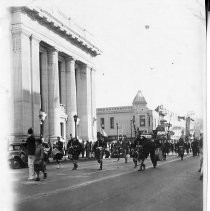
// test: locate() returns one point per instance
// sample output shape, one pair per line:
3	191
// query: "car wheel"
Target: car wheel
16	164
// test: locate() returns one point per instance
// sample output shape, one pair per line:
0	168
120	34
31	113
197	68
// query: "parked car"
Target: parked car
18	157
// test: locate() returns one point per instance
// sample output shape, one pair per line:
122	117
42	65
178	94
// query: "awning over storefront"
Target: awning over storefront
160	128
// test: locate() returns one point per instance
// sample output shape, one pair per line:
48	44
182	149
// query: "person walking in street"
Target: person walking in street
125	147
39	160
165	148
194	146
83	148
58	152
187	146
30	143
152	152
87	149
181	146
74	149
134	154
98	149
118	147
172	147
201	157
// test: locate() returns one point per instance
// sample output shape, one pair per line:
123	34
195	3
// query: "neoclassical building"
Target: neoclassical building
53	73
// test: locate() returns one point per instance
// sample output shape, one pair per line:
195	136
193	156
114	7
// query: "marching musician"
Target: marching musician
98	149
181	146
58	151
74	149
126	147
133	154
140	144
118	147
152	152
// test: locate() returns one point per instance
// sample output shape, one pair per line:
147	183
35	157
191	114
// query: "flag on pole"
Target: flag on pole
181	117
103	133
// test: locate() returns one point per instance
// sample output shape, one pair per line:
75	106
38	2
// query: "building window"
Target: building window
149	121
102	123
111	122
142	121
62	129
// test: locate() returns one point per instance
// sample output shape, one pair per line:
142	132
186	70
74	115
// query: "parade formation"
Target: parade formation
139	149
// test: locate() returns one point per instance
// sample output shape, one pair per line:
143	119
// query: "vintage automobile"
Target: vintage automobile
18	157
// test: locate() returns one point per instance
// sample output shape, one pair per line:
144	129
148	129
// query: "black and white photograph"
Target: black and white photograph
104	105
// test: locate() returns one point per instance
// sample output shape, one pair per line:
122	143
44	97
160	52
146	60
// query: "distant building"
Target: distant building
123	120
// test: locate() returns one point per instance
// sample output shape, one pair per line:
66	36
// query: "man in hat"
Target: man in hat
74	149
31	147
125	147
98	149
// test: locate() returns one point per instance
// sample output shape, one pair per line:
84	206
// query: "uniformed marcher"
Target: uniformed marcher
165	148
125	147
74	149
187	146
181	145
134	154
139	144
152	152
58	151
98	149
118	147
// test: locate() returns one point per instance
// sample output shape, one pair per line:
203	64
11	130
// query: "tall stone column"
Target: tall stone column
93	105
53	94
44	85
21	82
71	96
35	83
84	102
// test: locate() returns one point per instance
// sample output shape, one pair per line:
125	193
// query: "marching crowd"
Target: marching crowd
138	149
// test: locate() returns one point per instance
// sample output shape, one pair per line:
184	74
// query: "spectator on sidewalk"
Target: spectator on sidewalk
201	157
83	148
39	160
88	149
30	142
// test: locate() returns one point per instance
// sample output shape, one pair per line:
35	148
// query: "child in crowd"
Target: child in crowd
39	160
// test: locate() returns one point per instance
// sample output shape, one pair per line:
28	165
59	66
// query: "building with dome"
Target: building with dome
124	120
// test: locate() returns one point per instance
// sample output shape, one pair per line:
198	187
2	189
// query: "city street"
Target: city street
173	185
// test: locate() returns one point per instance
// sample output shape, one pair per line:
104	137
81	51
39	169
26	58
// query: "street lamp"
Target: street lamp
75	121
131	127
117	131
168	134
42	116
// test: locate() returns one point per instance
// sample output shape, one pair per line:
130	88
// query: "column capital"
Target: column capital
86	66
35	38
17	30
70	59
52	50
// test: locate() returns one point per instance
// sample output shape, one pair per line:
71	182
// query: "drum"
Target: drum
158	154
99	153
57	154
139	152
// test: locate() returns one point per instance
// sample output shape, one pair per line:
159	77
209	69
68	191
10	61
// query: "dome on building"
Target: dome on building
139	99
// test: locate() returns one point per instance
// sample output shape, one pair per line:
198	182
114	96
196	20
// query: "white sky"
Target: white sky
176	35
166	62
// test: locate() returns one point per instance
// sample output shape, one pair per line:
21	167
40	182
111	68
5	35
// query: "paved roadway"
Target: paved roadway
173	185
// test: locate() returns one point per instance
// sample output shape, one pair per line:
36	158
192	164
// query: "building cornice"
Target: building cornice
119	109
60	27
